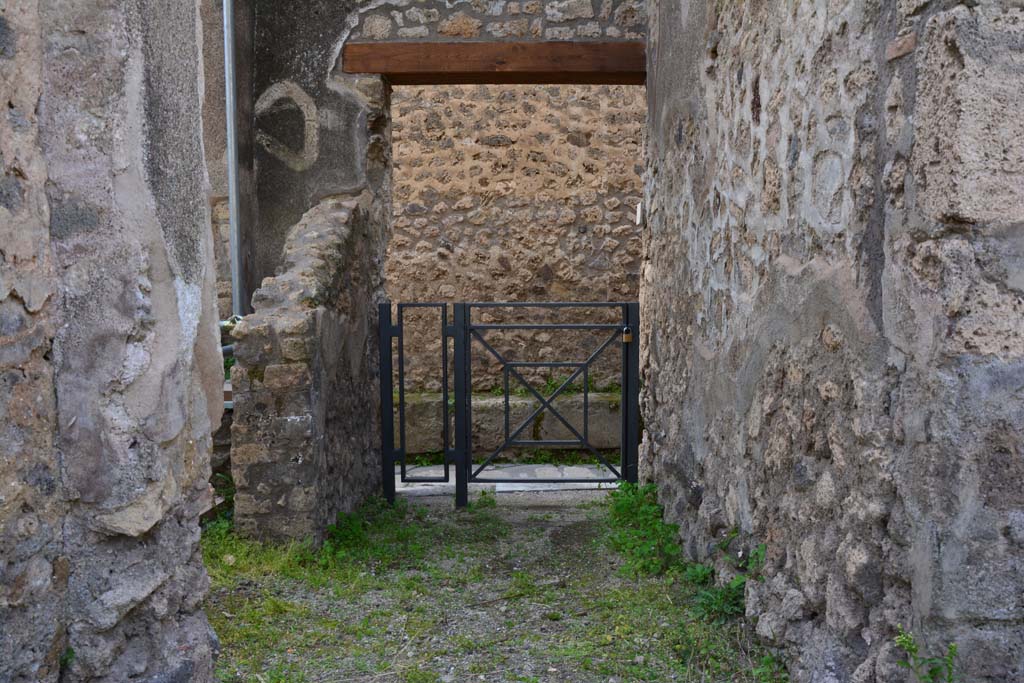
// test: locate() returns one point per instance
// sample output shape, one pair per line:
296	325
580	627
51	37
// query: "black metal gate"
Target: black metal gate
460	337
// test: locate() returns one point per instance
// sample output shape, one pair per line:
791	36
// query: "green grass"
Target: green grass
425	459
398	594
769	670
419	676
546	456
380	548
648	544
721	603
698	574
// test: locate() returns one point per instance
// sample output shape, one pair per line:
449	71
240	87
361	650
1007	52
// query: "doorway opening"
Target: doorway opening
513	193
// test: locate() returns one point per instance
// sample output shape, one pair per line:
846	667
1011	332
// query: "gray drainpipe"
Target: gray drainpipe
230	109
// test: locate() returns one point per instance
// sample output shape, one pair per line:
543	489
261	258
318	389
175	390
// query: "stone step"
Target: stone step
424	413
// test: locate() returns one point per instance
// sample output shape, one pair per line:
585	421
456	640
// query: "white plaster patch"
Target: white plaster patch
190	307
136	360
273	97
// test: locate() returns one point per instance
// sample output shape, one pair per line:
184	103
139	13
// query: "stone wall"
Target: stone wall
305	436
513	193
109	369
310	117
494	21
33	564
215	145
425	414
220	227
323	140
833	319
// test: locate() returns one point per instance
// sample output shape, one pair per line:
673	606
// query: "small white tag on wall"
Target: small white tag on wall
639	212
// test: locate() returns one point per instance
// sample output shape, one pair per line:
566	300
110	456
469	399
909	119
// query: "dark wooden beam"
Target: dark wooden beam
618	62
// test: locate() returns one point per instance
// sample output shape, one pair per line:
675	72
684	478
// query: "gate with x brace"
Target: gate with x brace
612	326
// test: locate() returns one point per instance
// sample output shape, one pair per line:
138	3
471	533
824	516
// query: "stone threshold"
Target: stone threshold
526	472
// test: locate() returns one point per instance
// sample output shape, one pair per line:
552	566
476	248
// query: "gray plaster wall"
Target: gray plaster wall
834	322
319	133
110	362
245	107
211	15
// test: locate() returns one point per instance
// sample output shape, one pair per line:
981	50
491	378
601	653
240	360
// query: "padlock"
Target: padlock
627	335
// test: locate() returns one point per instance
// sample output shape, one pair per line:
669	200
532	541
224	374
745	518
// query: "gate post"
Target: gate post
387	402
463	434
632	389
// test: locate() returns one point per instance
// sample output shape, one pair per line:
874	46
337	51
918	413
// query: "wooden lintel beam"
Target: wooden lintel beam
614	62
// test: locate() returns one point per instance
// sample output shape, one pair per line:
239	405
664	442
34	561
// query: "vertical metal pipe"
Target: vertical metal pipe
632	389
387	402
463	435
446	418
401	385
230	110
624	397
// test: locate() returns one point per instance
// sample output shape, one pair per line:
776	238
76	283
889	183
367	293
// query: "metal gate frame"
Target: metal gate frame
463	331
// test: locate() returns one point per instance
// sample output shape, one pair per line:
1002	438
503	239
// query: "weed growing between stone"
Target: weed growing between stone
529	587
926	669
552	383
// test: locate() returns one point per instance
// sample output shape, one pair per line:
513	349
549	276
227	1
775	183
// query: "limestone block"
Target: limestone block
246	454
516	28
377	27
567	10
286	376
460	25
967	160
413	32
247	505
142	513
604	423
